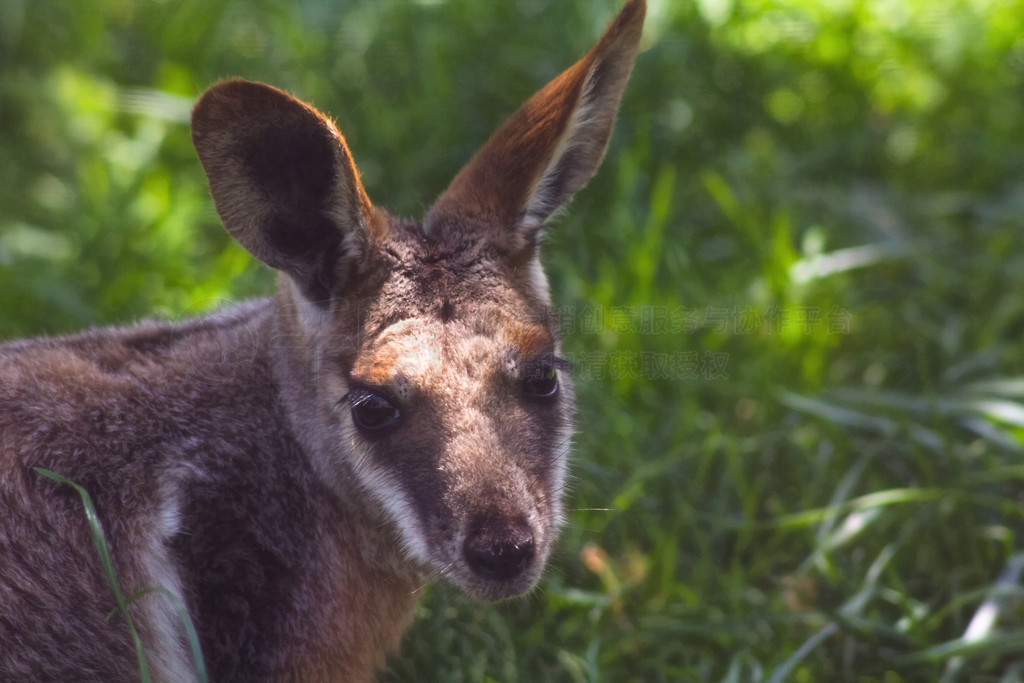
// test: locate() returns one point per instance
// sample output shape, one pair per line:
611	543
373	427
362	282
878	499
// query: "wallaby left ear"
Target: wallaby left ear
548	149
284	184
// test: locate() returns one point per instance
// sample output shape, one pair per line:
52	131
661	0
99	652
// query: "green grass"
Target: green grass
123	602
825	198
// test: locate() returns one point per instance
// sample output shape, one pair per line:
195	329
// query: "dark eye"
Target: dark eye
540	380
371	412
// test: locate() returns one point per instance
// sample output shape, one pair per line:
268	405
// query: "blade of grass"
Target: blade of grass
100	542
979	629
852	608
190	630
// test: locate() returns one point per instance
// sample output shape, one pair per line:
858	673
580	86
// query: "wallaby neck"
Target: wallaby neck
297	339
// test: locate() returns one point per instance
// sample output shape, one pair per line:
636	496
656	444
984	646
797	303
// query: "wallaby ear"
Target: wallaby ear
548	149
284	183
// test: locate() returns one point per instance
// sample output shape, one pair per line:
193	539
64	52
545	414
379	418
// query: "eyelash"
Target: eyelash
552	360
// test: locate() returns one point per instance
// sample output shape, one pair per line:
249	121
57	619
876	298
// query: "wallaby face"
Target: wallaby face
429	348
458	418
399	411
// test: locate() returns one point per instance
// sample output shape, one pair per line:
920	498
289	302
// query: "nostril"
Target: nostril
499	551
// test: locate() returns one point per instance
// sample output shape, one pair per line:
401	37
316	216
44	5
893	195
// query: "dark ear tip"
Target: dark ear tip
633	10
229	101
630	20
218	96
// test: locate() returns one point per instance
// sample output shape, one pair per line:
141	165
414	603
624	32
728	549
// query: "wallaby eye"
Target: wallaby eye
540	380
371	412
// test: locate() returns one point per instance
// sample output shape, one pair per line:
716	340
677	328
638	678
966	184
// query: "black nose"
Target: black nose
499	551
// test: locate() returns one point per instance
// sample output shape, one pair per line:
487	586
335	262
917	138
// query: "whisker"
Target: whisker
433	576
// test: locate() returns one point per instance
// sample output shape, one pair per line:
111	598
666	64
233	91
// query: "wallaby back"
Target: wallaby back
295	468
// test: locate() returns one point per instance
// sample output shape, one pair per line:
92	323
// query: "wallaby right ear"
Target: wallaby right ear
547	150
284	183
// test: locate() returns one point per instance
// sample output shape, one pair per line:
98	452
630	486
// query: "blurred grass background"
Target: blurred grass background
794	292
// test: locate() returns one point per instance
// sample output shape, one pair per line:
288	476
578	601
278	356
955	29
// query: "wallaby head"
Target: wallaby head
422	364
398	411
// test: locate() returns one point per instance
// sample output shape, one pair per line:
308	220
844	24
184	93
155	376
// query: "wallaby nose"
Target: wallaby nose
499	551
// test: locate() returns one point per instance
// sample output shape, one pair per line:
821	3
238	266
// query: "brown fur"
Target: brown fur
229	457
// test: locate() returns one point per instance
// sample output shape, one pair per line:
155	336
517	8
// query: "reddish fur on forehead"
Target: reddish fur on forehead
404	348
381	365
377	370
531	340
378	367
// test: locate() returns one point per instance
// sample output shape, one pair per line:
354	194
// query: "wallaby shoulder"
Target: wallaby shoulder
178	433
108	389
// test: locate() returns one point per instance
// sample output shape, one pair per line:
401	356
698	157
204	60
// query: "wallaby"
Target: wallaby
296	468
